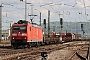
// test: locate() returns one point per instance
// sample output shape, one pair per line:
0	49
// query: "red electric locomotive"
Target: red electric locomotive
23	33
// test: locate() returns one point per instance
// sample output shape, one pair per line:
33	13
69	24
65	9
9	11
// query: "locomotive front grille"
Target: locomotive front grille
18	42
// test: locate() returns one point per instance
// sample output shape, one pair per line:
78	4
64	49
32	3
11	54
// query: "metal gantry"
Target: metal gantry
48	23
25	8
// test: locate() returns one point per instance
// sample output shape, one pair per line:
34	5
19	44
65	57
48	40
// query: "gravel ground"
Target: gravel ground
55	55
58	55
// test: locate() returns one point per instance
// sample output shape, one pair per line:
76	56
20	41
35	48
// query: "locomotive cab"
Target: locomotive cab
19	33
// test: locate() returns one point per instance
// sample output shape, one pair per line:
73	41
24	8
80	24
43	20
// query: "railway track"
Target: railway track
32	53
82	48
68	52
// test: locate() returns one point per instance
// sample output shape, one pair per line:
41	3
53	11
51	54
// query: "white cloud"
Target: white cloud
4	13
44	12
87	2
19	12
79	4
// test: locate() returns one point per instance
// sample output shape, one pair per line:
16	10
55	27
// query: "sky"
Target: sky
69	10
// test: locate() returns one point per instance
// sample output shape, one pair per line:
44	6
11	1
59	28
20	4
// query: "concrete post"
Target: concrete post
0	22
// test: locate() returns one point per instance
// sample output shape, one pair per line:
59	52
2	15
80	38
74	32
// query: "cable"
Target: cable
84	6
60	4
14	6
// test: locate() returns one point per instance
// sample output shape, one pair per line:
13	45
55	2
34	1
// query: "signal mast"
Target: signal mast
32	15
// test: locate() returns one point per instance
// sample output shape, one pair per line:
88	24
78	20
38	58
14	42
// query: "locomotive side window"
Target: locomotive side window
30	28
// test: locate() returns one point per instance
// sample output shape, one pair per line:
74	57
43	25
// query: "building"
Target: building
5	34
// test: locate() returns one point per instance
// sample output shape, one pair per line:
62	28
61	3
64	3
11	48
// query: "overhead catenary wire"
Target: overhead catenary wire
84	6
59	4
45	3
11	5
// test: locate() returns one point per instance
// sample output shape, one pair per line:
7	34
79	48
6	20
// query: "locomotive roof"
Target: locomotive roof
20	22
36	25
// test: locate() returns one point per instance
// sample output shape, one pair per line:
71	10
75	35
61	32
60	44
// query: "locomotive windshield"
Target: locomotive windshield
20	28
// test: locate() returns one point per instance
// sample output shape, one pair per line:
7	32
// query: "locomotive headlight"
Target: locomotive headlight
13	38
14	34
25	38
24	34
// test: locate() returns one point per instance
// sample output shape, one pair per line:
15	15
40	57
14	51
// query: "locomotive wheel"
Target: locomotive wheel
15	47
28	46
